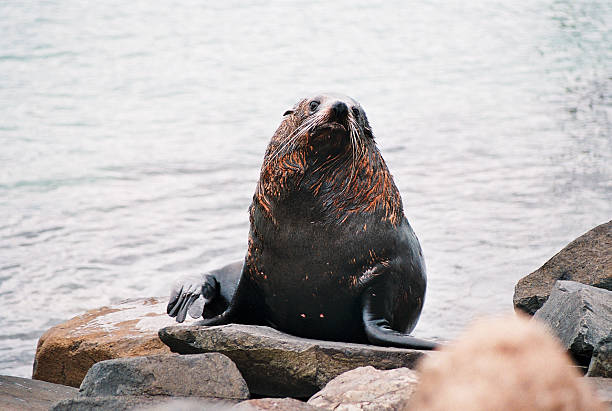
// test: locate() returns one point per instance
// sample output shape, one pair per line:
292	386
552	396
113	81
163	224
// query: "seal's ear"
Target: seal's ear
288	112
366	126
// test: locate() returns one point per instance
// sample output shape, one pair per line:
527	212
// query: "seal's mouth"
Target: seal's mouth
331	128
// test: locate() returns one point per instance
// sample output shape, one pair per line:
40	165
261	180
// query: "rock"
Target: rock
141	403
367	388
165	382
603	387
274	404
25	394
108	403
587	260
580	315
66	351
277	364
190	404
201	375
601	361
506	363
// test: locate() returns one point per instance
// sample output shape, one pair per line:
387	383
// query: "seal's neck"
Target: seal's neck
339	184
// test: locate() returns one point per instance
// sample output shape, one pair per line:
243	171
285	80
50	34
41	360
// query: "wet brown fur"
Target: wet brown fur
352	181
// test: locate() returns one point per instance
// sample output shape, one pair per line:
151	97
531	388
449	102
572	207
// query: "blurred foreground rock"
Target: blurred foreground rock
580	315
603	387
587	260
66	351
18	394
157	380
367	388
278	364
506	363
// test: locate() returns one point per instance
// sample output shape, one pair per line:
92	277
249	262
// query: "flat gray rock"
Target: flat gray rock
278	364
587	260
580	315
25	394
601	361
119	403
203	375
142	403
274	404
368	389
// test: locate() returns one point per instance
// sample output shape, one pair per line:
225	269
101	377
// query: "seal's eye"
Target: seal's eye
355	112
314	105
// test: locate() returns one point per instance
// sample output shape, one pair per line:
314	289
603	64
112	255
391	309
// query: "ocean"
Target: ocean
132	134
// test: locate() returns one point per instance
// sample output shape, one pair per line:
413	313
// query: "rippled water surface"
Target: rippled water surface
131	136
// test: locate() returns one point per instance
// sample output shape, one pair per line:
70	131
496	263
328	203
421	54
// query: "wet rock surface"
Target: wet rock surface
67	351
587	259
24	394
201	375
277	364
580	315
367	388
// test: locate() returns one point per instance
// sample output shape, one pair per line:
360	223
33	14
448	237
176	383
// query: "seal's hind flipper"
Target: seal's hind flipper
379	331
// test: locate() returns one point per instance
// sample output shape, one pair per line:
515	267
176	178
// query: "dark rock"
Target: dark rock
580	315
202	375
587	260
128	329
367	388
277	364
601	362
25	394
274	404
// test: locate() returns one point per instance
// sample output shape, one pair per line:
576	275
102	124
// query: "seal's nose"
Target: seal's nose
340	110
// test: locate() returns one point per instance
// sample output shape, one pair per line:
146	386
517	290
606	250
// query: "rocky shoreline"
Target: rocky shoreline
132	356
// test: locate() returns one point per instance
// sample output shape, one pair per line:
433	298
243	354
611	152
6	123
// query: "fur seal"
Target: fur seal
330	253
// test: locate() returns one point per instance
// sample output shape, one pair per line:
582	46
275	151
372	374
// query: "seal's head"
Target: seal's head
324	154
323	123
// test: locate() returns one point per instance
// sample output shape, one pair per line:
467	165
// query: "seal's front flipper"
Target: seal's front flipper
190	294
206	295
378	329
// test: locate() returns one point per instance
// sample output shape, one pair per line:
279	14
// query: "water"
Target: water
131	136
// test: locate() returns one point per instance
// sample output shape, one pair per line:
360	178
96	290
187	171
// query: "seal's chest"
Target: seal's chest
312	304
